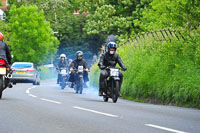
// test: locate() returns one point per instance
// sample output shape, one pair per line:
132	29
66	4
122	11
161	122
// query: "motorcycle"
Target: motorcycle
78	86
112	85
5	75
64	75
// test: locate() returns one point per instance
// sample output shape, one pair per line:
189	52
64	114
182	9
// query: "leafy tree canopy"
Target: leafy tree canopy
31	37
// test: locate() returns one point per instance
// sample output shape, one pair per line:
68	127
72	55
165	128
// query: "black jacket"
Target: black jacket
77	63
5	52
61	64
108	60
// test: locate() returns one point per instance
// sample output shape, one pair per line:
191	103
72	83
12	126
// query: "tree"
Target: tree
170	13
31	37
4	30
114	17
1	4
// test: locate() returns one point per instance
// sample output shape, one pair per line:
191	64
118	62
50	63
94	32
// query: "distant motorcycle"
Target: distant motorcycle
64	77
112	84
5	73
78	86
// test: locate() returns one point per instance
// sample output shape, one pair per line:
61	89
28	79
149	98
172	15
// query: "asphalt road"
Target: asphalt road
48	109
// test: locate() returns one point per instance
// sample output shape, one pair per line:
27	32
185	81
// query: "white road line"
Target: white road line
93	111
27	91
32	95
164	128
52	101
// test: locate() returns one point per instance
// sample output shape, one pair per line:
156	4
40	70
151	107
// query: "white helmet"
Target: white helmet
63	55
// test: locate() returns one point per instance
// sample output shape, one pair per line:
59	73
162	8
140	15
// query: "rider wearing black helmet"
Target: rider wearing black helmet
109	59
79	61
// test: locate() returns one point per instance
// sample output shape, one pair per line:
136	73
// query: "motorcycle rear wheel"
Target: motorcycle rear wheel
1	85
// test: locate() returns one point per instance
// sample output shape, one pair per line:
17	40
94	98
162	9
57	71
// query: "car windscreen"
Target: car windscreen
22	65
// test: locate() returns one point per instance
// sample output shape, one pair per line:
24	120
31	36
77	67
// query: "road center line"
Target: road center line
164	128
93	111
52	101
32	95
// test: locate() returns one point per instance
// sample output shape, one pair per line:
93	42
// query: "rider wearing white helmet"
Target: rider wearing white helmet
61	64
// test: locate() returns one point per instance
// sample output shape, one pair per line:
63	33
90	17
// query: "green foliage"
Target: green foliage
31	37
170	13
47	73
1	4
111	17
167	72
4	30
94	76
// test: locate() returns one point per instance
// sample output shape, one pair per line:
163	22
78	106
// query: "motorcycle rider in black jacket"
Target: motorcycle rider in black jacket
5	54
61	64
109	59
79	61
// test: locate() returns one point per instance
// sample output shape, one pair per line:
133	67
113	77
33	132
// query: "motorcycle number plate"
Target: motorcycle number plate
80	68
63	72
114	72
2	70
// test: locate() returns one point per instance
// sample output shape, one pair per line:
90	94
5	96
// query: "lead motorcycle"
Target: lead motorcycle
112	85
64	74
5	75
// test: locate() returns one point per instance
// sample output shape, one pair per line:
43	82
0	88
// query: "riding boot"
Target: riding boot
100	92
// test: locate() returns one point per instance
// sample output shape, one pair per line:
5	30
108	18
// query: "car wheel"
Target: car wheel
34	82
38	83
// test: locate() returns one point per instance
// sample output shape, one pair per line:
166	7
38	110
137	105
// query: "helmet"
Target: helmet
1	36
79	55
112	45
63	55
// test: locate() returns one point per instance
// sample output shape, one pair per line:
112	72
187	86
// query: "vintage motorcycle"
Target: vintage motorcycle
64	75
112	85
5	75
78	86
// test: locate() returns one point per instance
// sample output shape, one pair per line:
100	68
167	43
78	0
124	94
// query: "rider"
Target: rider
79	61
62	63
5	54
70	61
109	59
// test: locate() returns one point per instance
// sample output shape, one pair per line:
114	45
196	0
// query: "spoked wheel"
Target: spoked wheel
81	85
76	86
105	98
1	85
115	88
63	84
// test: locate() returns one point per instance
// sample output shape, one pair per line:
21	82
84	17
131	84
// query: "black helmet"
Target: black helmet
79	55
112	45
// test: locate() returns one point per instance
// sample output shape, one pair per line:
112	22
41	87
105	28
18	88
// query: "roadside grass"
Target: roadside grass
161	72
46	73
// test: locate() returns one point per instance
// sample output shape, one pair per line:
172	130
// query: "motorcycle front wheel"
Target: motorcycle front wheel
105	98
81	84
63	83
115	88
